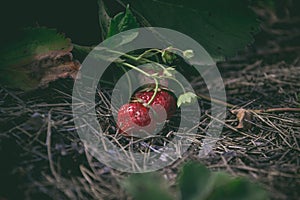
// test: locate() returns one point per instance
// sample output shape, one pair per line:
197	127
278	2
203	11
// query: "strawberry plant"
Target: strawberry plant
155	98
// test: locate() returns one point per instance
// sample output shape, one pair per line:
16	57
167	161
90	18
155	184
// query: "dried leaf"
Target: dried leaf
244	117
64	70
39	56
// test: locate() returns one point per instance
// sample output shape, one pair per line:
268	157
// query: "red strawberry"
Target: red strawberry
164	103
134	118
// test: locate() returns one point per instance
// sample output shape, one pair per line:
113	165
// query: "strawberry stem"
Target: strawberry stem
172	49
133	57
137	69
146	74
122	54
145	53
155	92
161	66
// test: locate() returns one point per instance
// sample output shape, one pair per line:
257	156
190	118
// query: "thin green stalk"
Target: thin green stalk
146	74
122	54
136	68
172	48
155	92
141	56
133	57
161	66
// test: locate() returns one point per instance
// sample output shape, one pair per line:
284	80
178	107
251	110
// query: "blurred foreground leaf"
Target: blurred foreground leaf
235	188
195	182
147	187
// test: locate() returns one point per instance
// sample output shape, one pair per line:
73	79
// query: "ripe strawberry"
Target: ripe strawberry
164	103
134	118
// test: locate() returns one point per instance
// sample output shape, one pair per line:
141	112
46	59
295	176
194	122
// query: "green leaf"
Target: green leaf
235	188
122	22
221	27
186	98
21	61
147	187
194	181
128	37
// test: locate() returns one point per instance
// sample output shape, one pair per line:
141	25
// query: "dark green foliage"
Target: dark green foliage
221	27
147	187
122	22
195	182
